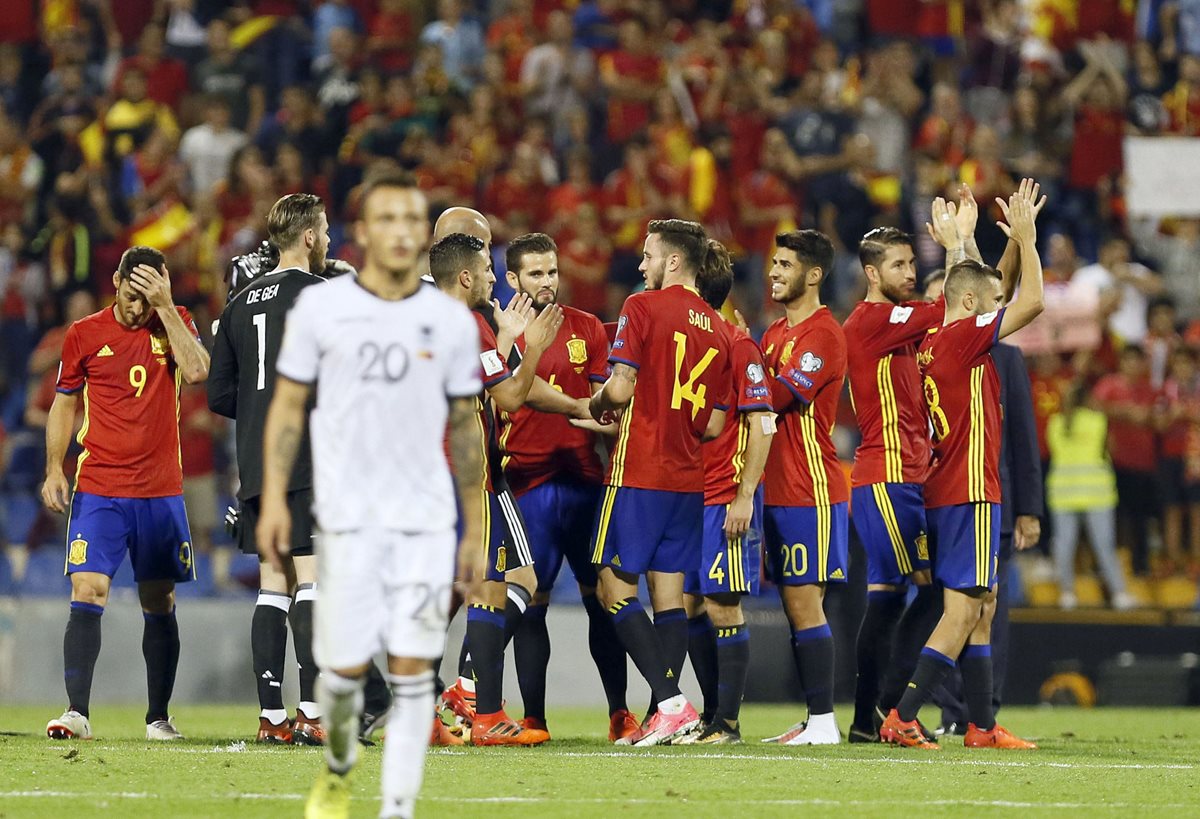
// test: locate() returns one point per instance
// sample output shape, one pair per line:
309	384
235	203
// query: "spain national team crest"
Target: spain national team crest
577	351
77	552
922	547
501	559
786	355
158	344
185	555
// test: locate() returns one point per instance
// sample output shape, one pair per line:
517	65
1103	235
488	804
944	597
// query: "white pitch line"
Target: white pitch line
295	797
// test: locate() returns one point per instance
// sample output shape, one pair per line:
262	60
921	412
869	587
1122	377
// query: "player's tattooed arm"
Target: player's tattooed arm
190	356
943	229
466	444
282	434
617	391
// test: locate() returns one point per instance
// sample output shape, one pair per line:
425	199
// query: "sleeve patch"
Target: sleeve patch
754	374
811	363
799	378
492	365
900	314
986	318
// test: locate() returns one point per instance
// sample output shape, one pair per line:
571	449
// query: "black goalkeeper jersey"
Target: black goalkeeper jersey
241	378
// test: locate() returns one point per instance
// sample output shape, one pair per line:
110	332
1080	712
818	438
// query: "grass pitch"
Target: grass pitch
1126	762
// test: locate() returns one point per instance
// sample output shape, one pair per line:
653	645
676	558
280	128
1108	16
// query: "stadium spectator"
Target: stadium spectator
166	77
460	43
233	75
1125	288
207	148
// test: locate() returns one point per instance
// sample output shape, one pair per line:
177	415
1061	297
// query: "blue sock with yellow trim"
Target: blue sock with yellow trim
733	663
702	651
81	647
531	653
607	652
485	641
913	630
641	640
874	650
160	647
672	628
932	668
812	649
976	665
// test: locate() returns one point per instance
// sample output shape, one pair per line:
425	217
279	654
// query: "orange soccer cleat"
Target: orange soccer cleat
460	701
271	734
307	731
498	729
998	737
895	731
535	724
622	725
443	737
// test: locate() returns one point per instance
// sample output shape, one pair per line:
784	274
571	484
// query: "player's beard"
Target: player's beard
540	302
895	293
795	289
654	276
316	260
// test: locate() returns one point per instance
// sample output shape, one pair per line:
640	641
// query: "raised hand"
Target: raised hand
514	319
942	227
1019	214
542	330
155	285
1029	190
968	213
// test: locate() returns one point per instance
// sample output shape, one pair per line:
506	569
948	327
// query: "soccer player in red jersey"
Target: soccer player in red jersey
888	509
730	550
555	473
962	491
670	381
805	489
460	267
128	361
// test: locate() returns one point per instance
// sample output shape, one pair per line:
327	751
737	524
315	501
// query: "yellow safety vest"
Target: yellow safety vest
1081	475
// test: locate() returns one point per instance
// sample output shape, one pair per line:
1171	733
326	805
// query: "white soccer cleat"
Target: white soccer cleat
789	734
163	730
71	725
821	730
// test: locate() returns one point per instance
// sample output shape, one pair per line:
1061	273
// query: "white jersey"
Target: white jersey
385	372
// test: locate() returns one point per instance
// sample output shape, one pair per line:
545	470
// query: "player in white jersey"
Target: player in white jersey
396	368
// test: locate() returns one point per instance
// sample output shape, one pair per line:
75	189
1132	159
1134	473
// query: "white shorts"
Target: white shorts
382	590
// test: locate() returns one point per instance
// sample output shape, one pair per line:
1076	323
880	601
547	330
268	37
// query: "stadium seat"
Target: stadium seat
1175	593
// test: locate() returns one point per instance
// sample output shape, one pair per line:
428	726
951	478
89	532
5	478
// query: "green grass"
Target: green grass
1124	762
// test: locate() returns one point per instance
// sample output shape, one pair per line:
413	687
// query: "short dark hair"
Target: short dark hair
381	179
812	247
874	245
523	245
140	254
715	279
687	238
291	216
451	255
966	275
933	278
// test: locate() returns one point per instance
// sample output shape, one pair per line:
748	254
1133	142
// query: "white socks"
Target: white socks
342	700
674	705
406	741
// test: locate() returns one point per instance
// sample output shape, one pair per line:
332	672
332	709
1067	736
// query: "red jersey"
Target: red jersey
962	393
538	446
807	362
1132	445
674	340
494	370
130	433
885	389
725	455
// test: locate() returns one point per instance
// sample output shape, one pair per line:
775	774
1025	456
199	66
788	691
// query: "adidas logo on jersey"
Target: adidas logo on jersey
838	575
105	351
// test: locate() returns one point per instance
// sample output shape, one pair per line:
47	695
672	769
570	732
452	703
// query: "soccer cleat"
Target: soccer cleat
498	729
621	726
443	737
905	734
329	797
717	732
857	735
998	737
821	730
663	727
271	734
535	724
369	723
460	701
789	734
163	730
71	725
307	731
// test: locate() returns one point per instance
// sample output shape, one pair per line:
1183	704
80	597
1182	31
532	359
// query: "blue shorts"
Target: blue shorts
648	530
807	544
890	521
727	565
153	530
558	517
966	544
504	534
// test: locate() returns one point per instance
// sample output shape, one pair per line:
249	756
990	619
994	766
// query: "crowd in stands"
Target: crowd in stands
177	123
